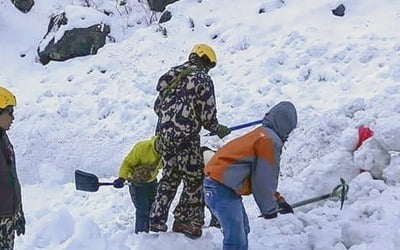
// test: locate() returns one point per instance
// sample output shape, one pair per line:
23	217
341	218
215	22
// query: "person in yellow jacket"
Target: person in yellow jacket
140	167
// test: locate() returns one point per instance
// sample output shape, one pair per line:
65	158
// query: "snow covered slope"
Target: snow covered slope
86	113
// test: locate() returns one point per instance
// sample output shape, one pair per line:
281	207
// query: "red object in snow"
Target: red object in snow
363	134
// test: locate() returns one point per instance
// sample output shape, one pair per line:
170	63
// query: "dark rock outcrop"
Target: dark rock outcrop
159	5
165	17
73	43
23	5
339	11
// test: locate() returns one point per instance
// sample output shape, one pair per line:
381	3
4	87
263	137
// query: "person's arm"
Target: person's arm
129	163
265	175
206	105
19	217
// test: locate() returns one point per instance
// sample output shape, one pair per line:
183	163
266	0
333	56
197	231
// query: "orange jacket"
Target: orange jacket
249	164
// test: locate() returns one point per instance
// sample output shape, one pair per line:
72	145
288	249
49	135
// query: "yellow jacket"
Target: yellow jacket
142	163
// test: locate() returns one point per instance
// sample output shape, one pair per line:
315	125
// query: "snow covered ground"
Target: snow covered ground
86	113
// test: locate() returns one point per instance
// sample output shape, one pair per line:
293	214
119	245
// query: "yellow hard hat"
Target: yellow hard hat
6	98
205	50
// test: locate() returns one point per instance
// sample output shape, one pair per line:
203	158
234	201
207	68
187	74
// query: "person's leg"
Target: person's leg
227	206
151	192
136	191
190	208
166	191
142	195
214	221
246	227
7	233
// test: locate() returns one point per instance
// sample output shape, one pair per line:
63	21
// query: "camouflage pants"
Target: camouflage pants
186	165
6	233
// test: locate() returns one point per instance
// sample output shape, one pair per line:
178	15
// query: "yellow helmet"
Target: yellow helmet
205	50
6	98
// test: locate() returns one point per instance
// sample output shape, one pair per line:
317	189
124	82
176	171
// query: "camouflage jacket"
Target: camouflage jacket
185	103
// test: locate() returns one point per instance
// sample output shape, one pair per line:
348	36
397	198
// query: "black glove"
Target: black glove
270	216
19	223
284	207
223	131
119	182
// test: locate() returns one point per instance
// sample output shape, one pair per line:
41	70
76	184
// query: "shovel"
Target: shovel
88	182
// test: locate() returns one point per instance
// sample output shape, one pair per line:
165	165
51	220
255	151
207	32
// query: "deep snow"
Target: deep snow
86	113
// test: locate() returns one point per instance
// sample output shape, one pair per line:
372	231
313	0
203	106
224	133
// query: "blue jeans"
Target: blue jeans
142	195
228	207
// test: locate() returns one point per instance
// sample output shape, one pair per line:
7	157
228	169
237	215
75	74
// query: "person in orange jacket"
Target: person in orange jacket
247	165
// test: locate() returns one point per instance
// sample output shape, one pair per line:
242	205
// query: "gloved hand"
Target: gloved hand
119	182
223	131
270	216
285	207
19	223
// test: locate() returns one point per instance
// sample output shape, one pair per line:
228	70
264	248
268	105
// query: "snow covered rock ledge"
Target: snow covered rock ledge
23	5
79	31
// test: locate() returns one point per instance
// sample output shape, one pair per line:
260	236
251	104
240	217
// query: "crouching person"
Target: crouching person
245	165
12	218
140	167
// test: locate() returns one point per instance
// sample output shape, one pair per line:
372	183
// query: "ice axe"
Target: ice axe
340	191
88	182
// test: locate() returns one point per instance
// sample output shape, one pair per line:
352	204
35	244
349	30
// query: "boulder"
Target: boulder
339	11
165	17
72	34
159	5
23	5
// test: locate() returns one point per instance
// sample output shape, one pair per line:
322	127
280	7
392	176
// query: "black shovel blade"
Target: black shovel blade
86	181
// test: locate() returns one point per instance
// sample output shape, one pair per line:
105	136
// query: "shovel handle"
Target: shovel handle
305	202
106	183
240	126
111	184
339	191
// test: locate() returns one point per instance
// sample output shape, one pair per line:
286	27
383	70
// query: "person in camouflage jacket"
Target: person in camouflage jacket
185	104
12	218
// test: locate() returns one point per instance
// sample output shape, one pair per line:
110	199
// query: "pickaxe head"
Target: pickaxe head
340	191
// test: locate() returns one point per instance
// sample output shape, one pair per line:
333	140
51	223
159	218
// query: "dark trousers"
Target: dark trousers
142	195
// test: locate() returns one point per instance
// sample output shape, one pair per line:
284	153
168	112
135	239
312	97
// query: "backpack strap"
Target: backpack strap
173	86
